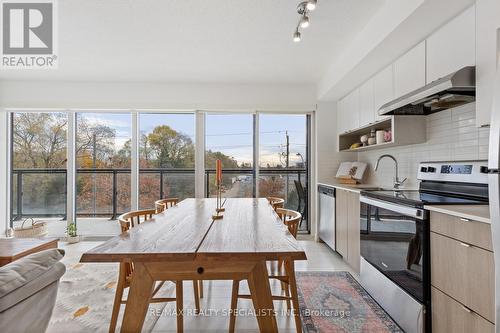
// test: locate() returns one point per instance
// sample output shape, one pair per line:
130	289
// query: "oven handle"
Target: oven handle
404	210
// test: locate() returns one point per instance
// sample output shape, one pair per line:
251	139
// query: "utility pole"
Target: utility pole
287	163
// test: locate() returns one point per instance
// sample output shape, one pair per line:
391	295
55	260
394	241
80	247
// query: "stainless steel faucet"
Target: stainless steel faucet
397	182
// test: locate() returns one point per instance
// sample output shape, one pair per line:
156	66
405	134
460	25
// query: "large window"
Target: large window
38	178
125	160
103	162
166	157
283	161
230	138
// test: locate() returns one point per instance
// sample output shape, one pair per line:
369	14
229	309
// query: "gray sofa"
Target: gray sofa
28	290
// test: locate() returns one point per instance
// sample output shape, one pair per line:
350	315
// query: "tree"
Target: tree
170	148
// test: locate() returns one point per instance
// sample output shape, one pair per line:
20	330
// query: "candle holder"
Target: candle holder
218	181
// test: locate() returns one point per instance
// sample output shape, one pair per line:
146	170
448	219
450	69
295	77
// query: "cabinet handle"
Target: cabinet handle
464	219
466	309
465	244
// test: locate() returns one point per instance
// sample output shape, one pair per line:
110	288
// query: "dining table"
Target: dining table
185	242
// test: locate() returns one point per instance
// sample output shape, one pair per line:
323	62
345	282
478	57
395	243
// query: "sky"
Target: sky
227	133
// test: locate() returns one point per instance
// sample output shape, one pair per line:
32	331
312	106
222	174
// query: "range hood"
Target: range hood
448	92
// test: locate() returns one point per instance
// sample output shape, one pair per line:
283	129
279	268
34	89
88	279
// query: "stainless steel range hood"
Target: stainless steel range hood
450	91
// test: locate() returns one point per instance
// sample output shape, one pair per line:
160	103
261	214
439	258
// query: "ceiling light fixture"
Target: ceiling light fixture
304	21
296	36
303	9
311	5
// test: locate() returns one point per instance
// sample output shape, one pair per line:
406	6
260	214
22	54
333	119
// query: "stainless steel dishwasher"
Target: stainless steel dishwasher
327	215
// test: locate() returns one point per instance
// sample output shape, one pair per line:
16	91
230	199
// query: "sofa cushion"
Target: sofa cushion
20	272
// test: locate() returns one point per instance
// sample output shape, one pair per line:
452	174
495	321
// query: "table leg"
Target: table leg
138	299
258	282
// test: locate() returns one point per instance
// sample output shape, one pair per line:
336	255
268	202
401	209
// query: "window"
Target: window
229	137
166	157
103	161
283	161
38	178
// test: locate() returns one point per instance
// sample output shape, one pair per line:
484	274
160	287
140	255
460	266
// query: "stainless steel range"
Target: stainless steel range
394	227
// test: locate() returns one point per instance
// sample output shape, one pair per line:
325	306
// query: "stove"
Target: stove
395	237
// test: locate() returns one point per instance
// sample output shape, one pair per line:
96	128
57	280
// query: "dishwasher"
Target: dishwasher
327	215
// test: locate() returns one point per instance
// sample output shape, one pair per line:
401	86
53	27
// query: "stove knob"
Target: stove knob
483	169
423	169
431	169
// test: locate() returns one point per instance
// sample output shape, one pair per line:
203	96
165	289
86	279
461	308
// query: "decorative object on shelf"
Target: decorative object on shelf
356	145
303	9
35	229
351	172
72	236
379	135
218	182
372	139
364	140
388	136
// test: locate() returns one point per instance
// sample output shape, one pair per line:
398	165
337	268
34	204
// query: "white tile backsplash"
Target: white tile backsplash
451	135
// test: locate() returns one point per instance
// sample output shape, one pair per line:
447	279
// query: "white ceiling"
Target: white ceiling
200	41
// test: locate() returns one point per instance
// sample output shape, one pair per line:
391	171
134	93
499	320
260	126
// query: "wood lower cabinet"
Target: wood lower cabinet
462	275
347	227
450	316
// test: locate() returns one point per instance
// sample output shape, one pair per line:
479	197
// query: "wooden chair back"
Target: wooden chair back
163	204
131	219
291	219
276	202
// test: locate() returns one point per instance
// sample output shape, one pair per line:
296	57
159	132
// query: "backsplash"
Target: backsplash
451	135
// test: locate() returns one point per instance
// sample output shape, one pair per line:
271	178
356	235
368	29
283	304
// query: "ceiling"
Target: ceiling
199	41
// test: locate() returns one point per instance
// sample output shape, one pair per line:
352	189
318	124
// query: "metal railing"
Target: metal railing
19	189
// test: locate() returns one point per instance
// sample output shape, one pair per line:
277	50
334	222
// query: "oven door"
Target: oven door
395	260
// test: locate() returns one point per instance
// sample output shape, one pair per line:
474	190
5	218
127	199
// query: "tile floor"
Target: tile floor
217	296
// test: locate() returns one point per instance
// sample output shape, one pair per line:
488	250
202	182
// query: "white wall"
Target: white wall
451	135
328	159
60	94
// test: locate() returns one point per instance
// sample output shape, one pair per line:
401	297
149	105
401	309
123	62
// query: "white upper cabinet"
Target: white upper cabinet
366	104
487	23
352	109
453	46
341	120
383	89
409	71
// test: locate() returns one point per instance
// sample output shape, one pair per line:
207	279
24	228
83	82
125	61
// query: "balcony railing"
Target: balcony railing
42	192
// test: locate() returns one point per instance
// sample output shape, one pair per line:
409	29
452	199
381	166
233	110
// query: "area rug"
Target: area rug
85	298
336	302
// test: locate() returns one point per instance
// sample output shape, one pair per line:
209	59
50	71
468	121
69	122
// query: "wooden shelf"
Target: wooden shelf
405	130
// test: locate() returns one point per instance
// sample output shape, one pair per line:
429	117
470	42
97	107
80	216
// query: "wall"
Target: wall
328	159
60	94
451	135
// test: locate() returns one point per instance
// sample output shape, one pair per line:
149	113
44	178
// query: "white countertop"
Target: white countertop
480	213
359	187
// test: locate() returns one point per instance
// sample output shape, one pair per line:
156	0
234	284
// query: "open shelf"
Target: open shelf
405	130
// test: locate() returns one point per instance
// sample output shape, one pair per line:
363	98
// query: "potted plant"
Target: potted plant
72	236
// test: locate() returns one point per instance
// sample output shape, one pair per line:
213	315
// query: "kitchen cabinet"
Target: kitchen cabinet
383	90
487	23
347	227
341	221
462	273
409	71
366	104
452	46
341	116
348	112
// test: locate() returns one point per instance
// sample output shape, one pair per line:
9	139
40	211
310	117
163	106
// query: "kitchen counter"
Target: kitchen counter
480	213
359	187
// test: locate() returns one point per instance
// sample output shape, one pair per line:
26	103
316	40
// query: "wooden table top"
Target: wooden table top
250	229
13	248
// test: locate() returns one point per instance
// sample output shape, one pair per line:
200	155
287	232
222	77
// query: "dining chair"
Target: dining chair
276	202
166	203
302	204
126	270
284	272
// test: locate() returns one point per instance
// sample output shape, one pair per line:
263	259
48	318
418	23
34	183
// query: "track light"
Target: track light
311	5
296	36
304	21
